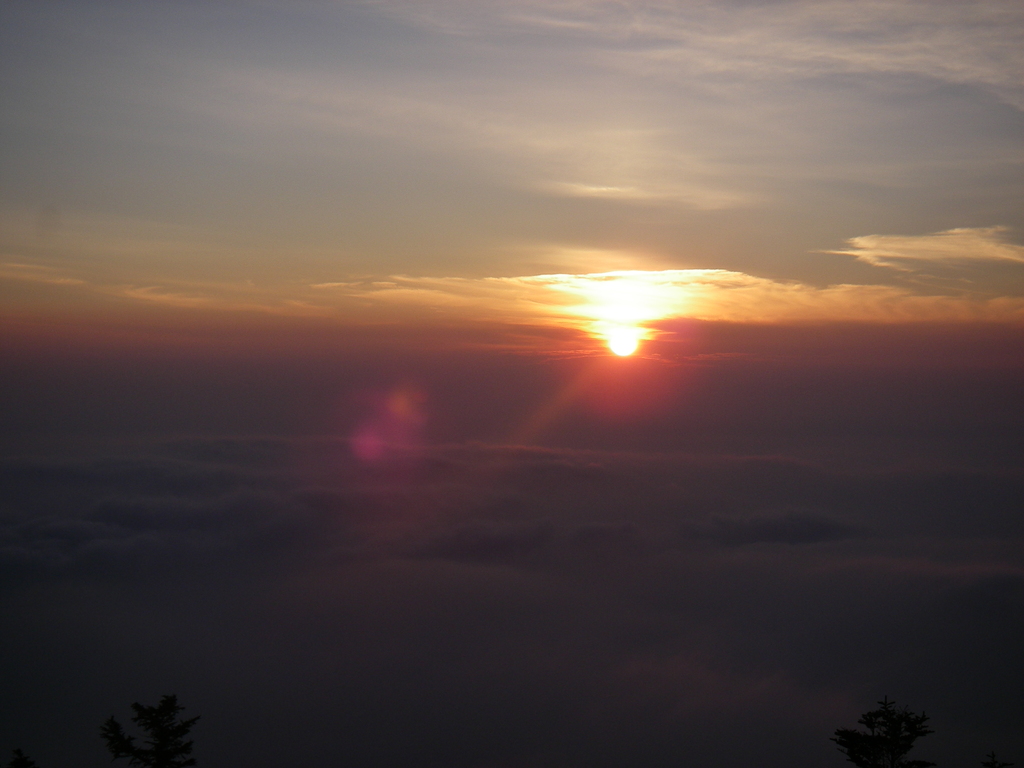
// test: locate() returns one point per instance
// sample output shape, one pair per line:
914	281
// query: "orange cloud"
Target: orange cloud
953	246
624	305
600	301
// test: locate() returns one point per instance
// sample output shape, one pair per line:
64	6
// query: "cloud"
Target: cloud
954	246
697	105
599	303
979	44
157	295
479	503
792	528
586	605
36	273
528	137
638	303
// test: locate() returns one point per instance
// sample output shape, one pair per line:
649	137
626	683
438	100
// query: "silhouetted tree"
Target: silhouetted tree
165	736
891	733
992	762
21	760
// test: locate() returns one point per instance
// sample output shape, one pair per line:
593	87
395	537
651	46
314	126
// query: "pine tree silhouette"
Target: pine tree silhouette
992	762
891	733
21	760
165	736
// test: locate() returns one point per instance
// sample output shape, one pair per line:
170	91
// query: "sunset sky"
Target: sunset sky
500	384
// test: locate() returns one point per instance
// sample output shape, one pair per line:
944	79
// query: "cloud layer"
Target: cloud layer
985	286
487	605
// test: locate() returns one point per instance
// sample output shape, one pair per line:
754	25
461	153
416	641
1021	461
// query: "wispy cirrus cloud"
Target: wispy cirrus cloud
36	273
649	102
527	135
954	246
980	43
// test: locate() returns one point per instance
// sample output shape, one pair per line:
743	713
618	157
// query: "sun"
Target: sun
624	340
619	307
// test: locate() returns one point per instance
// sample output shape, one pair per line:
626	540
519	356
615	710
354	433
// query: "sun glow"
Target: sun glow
619	305
623	341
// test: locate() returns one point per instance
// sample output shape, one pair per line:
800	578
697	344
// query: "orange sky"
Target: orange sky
464	162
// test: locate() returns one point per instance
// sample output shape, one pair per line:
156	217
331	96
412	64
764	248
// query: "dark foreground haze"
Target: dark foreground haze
381	555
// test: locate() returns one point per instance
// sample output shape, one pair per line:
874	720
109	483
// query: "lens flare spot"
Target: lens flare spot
392	427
